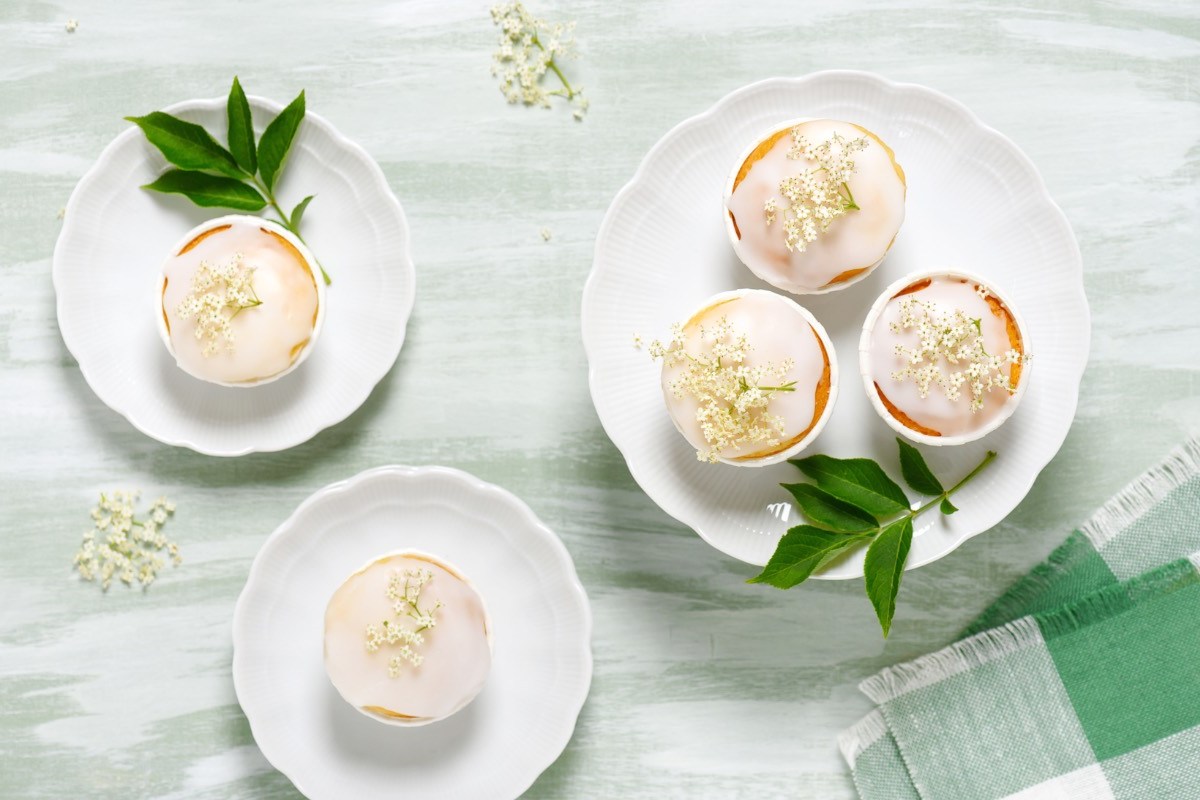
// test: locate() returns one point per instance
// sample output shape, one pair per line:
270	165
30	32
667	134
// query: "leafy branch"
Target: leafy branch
851	503
241	177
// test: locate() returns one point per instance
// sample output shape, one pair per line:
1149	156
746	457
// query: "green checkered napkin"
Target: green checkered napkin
1081	683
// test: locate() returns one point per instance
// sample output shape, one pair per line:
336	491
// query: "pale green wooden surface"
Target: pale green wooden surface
703	686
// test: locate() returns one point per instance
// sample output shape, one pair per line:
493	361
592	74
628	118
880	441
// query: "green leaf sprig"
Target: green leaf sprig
242	177
850	503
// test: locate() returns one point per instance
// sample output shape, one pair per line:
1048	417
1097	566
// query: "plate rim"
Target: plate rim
1030	170
496	493
407	277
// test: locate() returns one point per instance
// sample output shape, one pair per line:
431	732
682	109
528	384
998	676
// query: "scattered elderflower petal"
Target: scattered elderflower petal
581	106
951	353
528	49
219	293
813	199
732	397
404	590
72	25
62	213
121	545
546	234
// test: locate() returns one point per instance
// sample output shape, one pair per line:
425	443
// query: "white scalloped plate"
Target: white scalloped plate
541	669
975	202
115	236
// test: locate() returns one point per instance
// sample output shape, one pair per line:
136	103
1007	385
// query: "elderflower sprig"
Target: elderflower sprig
218	294
733	397
404	590
813	199
123	546
529	47
950	353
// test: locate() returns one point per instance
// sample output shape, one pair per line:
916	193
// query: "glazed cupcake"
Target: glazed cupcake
238	302
749	379
944	357
814	205
408	640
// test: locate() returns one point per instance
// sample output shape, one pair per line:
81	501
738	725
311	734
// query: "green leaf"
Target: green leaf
209	190
241	129
277	139
801	551
916	471
298	213
884	566
947	507
186	145
827	511
858	481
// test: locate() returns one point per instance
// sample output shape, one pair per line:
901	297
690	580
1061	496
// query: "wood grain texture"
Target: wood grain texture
704	686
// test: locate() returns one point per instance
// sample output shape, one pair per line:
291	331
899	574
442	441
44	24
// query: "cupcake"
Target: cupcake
944	357
238	302
814	205
750	379
408	640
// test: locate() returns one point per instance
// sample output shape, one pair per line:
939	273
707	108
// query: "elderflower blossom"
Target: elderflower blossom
733	397
121	545
951	353
404	590
529	48
219	293
813	199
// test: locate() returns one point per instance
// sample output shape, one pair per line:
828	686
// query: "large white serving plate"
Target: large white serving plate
975	202
115	237
541	667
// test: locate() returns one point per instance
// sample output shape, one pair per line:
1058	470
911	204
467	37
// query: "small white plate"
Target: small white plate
542	664
115	236
975	202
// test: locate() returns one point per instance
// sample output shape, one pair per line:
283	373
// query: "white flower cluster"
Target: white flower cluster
951	353
404	590
529	47
816	197
733	397
119	544
219	293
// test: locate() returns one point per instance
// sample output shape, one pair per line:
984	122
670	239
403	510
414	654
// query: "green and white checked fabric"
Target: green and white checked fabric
1082	682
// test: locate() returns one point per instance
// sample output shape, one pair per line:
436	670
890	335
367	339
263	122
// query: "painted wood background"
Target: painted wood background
703	686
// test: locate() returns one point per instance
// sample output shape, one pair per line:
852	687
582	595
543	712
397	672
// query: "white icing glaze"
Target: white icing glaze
857	240
457	652
266	337
776	329
935	411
